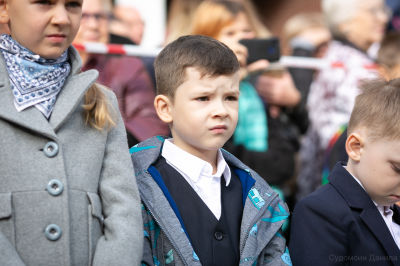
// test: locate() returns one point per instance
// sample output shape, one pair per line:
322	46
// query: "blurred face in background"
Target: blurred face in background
132	23
228	22
368	24
94	23
239	29
231	34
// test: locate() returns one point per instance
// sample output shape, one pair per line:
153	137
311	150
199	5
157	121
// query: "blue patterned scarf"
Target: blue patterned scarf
35	81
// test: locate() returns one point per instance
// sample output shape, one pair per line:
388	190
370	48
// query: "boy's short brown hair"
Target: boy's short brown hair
377	108
209	56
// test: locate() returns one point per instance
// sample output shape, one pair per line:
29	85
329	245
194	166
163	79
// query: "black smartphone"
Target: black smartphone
262	49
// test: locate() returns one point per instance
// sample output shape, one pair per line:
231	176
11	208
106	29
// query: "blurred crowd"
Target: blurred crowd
292	121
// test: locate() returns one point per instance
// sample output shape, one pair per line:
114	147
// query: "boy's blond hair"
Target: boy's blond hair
377	108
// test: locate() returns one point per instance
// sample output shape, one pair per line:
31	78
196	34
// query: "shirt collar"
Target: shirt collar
222	168
193	166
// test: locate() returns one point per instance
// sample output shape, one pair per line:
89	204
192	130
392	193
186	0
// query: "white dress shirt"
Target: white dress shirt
198	174
387	215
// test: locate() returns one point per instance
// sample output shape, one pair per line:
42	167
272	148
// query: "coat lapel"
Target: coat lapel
30	118
357	197
73	91
143	155
371	216
70	96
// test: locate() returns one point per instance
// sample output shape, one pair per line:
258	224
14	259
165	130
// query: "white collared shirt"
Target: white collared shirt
198	173
387	215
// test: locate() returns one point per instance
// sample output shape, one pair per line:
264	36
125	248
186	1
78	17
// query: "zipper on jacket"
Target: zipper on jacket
260	213
165	232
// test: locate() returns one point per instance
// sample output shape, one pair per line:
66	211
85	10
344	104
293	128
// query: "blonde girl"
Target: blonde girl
68	193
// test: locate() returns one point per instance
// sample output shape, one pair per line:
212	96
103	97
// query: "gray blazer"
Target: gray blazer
68	194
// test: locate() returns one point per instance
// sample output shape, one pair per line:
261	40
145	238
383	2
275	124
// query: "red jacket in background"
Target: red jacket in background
128	78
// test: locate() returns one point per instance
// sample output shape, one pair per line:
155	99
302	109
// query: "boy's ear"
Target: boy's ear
354	144
163	108
4	17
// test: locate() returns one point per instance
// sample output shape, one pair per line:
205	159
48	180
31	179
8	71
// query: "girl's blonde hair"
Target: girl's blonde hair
99	112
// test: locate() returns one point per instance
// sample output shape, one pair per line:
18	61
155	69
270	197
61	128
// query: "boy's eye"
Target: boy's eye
73	4
395	168
231	98
44	2
203	99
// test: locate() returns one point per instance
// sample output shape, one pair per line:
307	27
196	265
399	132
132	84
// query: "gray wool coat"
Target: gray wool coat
79	207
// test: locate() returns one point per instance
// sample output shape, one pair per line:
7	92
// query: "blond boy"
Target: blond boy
353	220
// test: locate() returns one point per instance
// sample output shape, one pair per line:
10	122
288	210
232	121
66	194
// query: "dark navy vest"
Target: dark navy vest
216	242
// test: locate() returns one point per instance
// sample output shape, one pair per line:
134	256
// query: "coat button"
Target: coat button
50	149
218	236
55	187
52	232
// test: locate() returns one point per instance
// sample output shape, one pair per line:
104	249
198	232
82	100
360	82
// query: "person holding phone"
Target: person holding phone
256	141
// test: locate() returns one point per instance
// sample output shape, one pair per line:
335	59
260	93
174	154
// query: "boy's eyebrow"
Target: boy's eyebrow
211	90
233	91
236	92
204	90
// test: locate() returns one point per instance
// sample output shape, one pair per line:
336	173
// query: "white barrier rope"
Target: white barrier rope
287	61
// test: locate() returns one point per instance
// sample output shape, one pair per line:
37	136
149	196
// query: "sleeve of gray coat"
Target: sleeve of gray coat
122	242
8	254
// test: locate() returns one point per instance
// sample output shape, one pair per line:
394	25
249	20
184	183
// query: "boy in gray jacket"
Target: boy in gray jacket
201	205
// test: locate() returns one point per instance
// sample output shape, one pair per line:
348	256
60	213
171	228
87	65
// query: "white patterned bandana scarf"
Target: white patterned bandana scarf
34	80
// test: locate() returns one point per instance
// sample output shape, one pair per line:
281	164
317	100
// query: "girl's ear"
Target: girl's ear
4	17
163	107
354	144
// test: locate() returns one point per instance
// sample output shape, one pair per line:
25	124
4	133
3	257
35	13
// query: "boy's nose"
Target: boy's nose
60	16
220	110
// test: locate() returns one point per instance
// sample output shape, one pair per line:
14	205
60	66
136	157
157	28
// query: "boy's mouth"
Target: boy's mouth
219	129
395	197
57	38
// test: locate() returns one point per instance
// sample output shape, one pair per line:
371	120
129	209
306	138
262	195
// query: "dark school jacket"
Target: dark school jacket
165	241
339	224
